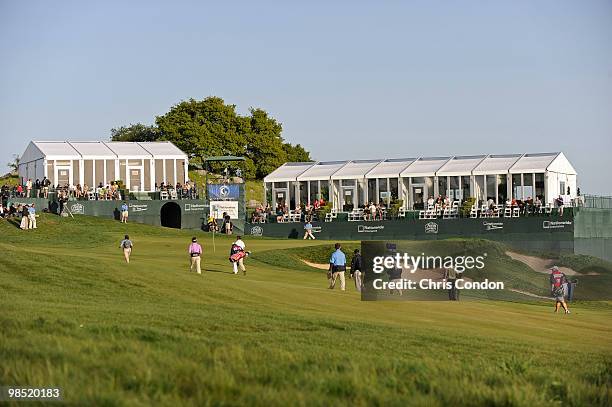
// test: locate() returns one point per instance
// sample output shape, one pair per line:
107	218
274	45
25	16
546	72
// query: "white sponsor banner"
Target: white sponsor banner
218	207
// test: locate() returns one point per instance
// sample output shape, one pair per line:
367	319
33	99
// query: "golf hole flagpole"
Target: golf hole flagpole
214	229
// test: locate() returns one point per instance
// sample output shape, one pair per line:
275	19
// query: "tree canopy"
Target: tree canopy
210	127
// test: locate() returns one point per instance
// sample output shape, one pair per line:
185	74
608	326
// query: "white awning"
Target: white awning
424	167
321	170
356	169
287	172
460	165
390	168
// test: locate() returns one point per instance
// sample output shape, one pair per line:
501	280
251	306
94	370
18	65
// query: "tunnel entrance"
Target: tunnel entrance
171	215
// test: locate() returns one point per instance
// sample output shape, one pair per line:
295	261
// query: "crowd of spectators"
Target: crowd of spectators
188	190
25	212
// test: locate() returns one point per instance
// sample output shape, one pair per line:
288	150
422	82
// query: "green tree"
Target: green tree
265	147
296	153
14	165
135	132
204	128
210	127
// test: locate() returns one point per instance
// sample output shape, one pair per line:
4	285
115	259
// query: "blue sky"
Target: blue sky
346	79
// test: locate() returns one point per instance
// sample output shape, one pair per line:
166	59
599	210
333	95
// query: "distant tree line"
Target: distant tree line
210	127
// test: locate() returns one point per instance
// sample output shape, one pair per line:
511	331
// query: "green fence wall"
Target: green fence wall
593	233
192	212
535	233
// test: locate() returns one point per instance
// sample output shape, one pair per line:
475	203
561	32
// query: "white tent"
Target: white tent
413	180
139	165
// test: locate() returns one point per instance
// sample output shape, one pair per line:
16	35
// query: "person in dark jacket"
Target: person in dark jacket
356	273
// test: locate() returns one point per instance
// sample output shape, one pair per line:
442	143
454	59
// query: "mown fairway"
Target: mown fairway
74	315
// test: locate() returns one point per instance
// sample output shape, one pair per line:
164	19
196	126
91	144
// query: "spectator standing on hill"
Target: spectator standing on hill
308	231
32	217
356	266
24	217
337	267
195	251
558	283
126	244
124	212
28	188
45	185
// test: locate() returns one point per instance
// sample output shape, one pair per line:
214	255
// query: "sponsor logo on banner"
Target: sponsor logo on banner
431	227
138	207
493	225
195	207
256	231
223	192
369	229
549	224
78	209
218	207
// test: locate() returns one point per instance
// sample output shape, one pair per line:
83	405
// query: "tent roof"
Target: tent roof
127	149
390	167
533	162
92	149
424	167
287	172
496	164
162	148
355	169
460	165
321	170
56	148
110	149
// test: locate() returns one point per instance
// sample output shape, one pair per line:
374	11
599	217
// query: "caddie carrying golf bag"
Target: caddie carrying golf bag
237	253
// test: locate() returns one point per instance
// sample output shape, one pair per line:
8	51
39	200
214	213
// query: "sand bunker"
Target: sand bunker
540	265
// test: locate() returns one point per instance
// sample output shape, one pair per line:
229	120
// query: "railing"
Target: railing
599	202
101	194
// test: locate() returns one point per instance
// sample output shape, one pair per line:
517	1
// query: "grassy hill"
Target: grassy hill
75	316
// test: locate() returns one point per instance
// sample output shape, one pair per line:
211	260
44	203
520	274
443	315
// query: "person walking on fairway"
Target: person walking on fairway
308	231
237	255
557	288
126	244
195	251
356	273
337	267
124	212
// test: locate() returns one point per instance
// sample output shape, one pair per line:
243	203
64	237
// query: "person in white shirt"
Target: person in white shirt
430	201
372	211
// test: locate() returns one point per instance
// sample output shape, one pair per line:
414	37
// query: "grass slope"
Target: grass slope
73	315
